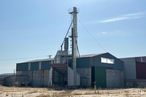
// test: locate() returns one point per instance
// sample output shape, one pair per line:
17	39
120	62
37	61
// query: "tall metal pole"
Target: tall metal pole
74	43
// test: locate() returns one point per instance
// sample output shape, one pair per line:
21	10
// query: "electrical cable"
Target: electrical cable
90	34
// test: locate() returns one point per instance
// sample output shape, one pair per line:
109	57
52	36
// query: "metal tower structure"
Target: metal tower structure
74	42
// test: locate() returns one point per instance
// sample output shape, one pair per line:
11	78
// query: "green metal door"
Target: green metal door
100	77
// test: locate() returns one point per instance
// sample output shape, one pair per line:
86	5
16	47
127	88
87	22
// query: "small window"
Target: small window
107	60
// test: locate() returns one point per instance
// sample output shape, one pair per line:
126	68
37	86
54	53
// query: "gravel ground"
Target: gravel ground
44	92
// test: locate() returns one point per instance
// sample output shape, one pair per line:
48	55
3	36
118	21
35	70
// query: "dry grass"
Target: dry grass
44	92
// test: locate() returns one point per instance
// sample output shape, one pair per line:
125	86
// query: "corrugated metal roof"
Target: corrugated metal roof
38	60
82	56
133	57
6	75
91	55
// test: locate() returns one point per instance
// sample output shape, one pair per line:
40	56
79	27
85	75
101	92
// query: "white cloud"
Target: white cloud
130	16
114	33
97	2
104	33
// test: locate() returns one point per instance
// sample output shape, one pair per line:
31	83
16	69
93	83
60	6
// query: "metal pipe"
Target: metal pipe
74	43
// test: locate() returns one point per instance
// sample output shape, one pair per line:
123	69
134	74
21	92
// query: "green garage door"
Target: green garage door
99	75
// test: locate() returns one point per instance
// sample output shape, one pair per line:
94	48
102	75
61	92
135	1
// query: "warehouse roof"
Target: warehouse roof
134	57
6	75
91	55
38	60
47	59
88	55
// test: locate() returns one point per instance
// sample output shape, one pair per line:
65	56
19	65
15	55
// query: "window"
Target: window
107	60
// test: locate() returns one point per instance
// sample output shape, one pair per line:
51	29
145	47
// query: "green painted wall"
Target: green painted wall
118	64
22	67
45	65
83	62
34	66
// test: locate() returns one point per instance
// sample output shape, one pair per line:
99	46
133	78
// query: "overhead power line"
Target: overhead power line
93	36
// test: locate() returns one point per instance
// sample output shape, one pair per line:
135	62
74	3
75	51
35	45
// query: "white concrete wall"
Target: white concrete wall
50	77
85	76
114	78
70	77
129	68
40	65
37	78
78	80
42	77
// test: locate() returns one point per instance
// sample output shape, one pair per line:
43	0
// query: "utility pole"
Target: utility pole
74	43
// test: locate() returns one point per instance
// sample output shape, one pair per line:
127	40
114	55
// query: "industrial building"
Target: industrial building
74	70
70	69
104	69
7	79
135	71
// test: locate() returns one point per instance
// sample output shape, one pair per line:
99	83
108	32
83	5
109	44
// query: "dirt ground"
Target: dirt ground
45	92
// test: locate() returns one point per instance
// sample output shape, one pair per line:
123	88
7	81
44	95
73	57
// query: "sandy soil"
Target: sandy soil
44	92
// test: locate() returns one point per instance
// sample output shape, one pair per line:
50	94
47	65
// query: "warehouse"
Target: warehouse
70	69
104	69
34	73
135	71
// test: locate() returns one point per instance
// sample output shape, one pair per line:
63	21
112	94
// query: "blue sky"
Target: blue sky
32	29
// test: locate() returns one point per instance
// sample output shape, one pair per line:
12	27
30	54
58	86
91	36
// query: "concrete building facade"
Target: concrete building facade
65	69
135	71
34	73
103	70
